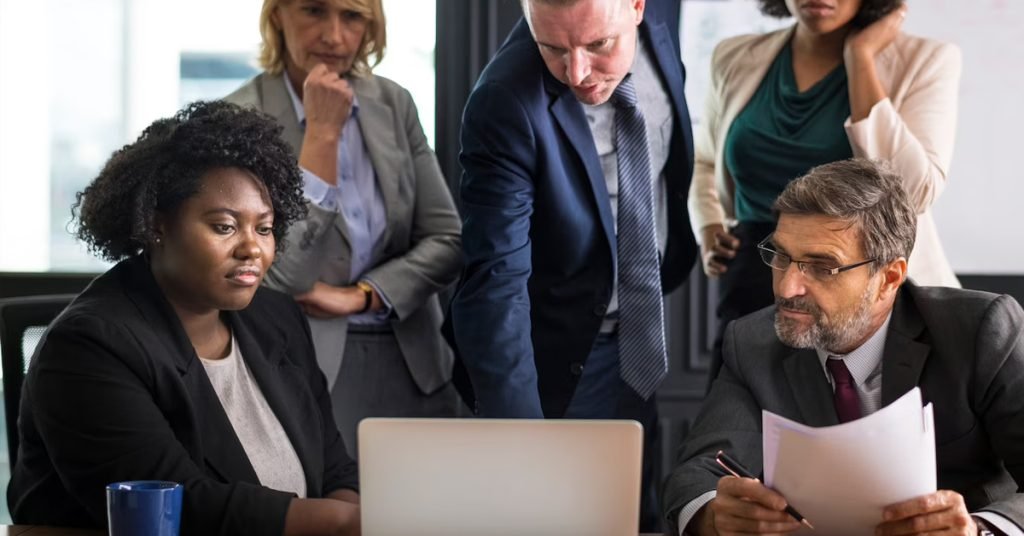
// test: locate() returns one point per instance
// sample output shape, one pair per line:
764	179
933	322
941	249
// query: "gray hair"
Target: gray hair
866	193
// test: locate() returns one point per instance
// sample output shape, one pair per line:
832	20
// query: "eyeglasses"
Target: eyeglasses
816	270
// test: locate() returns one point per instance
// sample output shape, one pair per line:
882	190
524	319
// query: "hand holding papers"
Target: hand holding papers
843	476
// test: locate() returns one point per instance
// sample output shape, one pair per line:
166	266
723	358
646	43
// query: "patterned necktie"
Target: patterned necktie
643	361
846	399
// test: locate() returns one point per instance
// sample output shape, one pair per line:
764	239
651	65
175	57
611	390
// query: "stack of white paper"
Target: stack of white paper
841	477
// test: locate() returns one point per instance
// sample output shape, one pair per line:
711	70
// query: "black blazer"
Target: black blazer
116	392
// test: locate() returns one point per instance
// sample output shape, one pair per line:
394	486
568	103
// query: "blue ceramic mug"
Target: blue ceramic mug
151	507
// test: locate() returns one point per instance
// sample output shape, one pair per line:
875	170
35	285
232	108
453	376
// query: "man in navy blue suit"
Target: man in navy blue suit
577	151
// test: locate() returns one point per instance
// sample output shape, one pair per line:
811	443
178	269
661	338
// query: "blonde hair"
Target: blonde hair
272	50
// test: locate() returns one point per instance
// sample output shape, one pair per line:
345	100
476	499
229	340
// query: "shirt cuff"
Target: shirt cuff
317	191
864	134
691	508
1000	523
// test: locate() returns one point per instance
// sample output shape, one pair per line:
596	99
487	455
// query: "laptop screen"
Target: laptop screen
474	477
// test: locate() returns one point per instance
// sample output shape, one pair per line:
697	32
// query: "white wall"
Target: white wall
24	138
979	215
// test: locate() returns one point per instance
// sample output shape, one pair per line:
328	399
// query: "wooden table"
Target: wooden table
32	530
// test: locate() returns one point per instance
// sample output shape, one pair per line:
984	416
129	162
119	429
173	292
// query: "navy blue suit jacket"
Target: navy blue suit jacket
538	233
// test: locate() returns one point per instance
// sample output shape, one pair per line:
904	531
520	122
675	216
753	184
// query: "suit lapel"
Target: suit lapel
810	388
904	357
661	45
568	113
376	124
278	103
154	308
671	71
221	448
279	386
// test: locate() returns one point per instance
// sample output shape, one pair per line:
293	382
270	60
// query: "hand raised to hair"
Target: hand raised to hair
866	43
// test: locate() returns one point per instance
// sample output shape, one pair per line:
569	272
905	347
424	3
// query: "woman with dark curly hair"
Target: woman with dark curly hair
843	81
175	364
382	237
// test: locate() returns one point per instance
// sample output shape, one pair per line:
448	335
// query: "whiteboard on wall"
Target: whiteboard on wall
979	214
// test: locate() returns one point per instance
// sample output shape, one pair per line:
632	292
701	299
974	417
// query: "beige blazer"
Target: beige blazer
913	129
421	245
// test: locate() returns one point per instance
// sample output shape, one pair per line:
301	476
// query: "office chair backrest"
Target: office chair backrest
22	322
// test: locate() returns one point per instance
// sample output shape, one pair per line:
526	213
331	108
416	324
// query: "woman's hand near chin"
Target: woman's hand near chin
327	102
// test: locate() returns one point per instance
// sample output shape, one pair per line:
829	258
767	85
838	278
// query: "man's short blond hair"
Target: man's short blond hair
560	3
525	4
272	50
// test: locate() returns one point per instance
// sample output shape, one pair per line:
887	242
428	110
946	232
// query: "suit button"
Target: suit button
576	368
600	309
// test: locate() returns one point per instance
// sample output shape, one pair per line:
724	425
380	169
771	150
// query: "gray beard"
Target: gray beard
827	335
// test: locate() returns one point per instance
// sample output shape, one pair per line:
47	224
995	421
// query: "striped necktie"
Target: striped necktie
643	362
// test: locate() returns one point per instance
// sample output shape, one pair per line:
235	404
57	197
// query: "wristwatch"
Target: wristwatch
983	528
367	293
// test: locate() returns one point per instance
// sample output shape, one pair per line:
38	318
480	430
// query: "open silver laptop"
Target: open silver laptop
482	477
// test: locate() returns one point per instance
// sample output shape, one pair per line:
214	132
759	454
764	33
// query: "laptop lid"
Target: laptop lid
484	477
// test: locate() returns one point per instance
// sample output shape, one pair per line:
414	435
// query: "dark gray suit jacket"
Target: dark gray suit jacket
421	244
964	349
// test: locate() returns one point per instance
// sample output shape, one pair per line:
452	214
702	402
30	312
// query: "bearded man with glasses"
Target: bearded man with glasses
847	335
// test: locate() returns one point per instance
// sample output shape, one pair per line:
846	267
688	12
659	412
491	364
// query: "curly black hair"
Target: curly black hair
165	166
870	10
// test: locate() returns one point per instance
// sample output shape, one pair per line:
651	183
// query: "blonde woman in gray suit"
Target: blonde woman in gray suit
382	236
843	81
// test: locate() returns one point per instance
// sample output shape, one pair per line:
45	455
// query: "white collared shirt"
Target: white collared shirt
865	365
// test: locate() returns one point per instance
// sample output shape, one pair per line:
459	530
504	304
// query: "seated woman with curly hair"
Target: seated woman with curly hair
175	364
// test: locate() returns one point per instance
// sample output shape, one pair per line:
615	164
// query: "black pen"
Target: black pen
736	469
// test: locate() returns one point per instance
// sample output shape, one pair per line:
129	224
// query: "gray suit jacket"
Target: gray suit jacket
421	245
964	349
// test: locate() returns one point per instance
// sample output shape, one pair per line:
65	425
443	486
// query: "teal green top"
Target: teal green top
782	133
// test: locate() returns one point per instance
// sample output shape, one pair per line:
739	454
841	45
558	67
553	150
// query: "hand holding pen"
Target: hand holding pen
745	505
